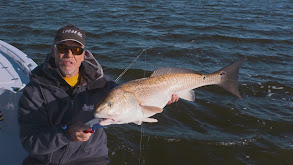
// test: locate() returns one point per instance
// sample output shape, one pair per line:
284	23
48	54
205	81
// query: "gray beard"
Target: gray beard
64	72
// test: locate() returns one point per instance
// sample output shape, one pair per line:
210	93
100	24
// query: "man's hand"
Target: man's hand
77	131
174	98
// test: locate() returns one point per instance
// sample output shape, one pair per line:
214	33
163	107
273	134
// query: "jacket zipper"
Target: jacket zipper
65	154
67	149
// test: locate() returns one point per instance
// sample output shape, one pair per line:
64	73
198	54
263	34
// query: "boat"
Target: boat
15	68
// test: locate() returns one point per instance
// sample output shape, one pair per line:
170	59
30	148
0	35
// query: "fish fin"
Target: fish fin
150	110
229	77
137	122
149	120
165	71
187	95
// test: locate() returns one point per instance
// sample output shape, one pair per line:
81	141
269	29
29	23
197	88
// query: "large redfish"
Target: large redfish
136	101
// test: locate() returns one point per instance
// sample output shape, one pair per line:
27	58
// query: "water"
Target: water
203	35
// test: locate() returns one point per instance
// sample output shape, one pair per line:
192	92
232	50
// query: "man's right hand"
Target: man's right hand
77	131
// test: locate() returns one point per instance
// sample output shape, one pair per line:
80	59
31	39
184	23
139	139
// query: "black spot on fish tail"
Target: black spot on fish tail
229	77
222	73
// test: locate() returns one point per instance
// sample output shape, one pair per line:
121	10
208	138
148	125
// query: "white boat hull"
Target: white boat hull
15	68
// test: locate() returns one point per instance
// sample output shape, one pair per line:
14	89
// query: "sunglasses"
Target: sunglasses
61	48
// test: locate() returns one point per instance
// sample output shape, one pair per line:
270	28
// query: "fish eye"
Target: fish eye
110	104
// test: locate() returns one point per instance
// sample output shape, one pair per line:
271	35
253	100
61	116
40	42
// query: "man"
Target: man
58	101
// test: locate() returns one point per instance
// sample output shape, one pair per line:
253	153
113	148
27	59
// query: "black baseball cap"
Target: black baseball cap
70	33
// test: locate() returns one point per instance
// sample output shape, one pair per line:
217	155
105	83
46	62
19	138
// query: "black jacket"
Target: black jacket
48	102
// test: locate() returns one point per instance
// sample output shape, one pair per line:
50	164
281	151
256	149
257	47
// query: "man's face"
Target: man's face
68	63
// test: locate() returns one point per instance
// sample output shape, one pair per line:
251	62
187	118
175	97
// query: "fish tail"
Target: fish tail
229	77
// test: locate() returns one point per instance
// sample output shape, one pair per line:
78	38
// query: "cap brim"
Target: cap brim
71	40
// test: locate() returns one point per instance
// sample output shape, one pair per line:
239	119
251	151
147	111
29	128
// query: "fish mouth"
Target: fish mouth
106	121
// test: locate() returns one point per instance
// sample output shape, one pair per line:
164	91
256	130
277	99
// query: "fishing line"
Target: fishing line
126	69
140	144
141	128
144	72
